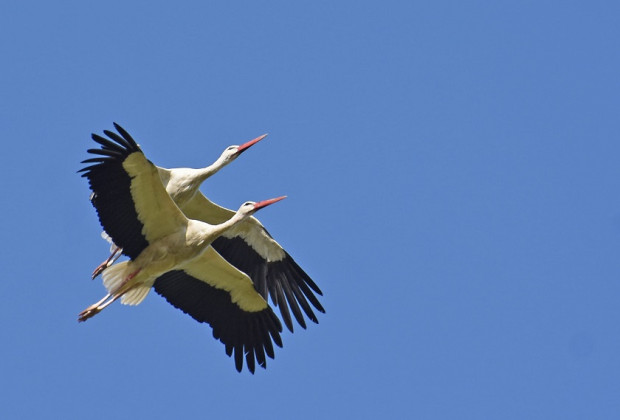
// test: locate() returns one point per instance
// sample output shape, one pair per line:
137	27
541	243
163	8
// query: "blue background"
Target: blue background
453	178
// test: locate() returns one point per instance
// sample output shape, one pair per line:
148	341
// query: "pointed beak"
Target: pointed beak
246	146
266	203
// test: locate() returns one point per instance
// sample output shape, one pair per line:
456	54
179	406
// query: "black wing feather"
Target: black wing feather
120	140
244	334
284	281
107	152
111	187
107	144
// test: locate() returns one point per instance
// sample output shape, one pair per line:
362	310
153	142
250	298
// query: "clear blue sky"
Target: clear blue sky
454	188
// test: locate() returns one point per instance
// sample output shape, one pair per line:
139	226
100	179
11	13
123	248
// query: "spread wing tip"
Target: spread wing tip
245	335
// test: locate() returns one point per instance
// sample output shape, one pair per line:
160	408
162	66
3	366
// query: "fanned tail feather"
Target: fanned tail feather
136	295
114	275
113	278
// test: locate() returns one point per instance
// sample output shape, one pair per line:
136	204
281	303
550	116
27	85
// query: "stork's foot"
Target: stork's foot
95	308
88	313
116	253
99	269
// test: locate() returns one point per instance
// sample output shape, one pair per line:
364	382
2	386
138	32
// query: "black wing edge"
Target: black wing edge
285	281
248	334
111	184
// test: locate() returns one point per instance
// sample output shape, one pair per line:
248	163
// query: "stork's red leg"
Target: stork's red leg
92	310
116	253
132	275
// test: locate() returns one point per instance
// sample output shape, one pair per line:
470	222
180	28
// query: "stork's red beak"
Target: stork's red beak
246	146
266	203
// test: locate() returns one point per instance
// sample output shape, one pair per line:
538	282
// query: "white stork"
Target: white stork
181	183
247	245
172	253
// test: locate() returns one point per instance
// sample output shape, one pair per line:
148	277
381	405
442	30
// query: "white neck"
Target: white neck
204	173
223	227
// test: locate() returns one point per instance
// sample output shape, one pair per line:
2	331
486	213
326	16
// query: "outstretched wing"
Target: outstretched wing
249	247
211	290
133	205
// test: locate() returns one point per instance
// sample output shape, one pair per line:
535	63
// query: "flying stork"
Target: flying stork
181	184
172	252
247	245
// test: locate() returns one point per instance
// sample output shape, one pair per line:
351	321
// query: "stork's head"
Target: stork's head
250	207
232	152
